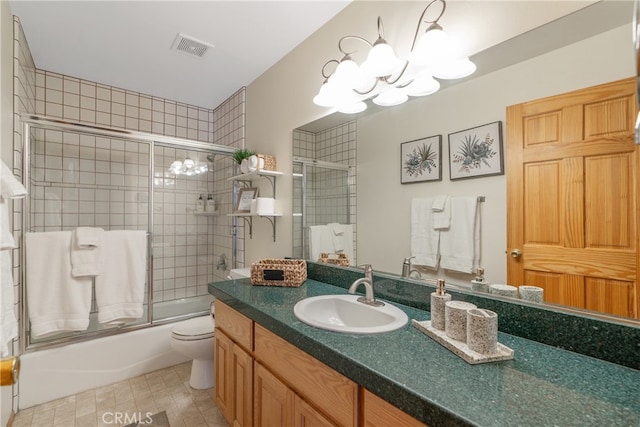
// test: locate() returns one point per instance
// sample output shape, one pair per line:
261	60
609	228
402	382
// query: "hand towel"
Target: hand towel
10	187
319	241
439	202
460	244
121	285
6	236
56	300
337	236
86	251
441	213
8	321
424	239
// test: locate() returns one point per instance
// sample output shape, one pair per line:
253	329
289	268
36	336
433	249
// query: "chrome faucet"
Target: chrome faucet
367	281
407	270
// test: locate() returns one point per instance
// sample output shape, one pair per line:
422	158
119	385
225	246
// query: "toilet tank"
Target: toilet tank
239	273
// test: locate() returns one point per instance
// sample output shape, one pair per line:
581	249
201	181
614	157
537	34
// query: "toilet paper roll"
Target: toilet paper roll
437	310
482	330
504	290
531	293
455	319
265	205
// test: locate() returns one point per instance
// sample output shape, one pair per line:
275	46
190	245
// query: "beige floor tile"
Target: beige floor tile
163	390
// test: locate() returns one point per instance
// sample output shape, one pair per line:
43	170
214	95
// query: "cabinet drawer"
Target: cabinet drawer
237	327
332	393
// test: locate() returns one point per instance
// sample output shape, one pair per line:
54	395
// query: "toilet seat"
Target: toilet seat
198	328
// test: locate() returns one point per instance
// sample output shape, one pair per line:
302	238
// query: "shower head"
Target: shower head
210	157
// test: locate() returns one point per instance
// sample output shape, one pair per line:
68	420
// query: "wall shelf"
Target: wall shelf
248	217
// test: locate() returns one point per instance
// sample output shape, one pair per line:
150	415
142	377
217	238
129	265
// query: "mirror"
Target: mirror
581	50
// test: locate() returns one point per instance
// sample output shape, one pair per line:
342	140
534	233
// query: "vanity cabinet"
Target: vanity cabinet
263	380
233	366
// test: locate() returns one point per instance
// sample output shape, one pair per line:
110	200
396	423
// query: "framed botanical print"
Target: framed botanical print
476	152
421	160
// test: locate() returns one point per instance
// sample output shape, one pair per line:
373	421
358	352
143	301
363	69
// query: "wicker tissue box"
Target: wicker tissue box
279	272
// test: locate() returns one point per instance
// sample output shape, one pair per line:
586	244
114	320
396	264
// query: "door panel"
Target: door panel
572	191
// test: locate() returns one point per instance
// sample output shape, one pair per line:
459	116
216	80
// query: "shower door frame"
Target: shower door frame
32	121
306	162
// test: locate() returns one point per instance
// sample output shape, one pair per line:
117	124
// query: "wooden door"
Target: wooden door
242	388
223	360
572	197
273	401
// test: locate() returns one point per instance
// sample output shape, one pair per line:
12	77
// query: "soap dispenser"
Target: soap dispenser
200	204
210	205
478	284
438	300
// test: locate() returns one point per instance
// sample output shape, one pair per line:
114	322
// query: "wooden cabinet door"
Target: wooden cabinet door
380	413
242	387
572	197
223	359
306	415
273	401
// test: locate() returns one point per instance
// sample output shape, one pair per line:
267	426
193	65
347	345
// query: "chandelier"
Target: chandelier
389	79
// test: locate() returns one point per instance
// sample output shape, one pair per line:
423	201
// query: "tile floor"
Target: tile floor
163	390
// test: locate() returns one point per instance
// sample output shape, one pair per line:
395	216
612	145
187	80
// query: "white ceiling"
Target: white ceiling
127	44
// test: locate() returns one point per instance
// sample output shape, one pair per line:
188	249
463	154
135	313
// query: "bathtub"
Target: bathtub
54	373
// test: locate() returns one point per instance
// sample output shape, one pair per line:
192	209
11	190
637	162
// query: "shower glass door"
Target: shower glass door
321	195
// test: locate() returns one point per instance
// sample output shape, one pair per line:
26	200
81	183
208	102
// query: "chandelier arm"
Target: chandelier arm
433	23
404	68
355	38
368	91
325	66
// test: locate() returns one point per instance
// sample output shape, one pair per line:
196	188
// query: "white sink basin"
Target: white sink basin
343	313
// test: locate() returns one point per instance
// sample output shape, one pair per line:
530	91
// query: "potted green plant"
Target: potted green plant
241	154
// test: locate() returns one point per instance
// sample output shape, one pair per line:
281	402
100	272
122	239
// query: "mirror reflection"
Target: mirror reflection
383	219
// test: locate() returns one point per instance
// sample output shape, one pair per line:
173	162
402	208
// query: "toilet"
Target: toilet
194	339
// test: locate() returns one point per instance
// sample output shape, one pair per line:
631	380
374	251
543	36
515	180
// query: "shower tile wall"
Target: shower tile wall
336	145
179	272
24	100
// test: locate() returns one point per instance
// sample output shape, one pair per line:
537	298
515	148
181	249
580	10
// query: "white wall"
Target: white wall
280	101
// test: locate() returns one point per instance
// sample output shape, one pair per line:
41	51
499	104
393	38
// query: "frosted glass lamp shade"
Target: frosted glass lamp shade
353	108
381	60
422	86
390	97
455	69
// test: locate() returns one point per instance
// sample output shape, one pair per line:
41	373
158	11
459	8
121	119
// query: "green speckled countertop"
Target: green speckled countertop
542	386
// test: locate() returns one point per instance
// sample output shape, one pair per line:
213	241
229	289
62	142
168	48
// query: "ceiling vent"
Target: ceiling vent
189	45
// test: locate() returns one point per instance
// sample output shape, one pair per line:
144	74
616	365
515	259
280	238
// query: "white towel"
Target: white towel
56	300
337	236
424	239
439	203
441	212
86	251
8	321
460	244
320	241
120	287
10	187
6	236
